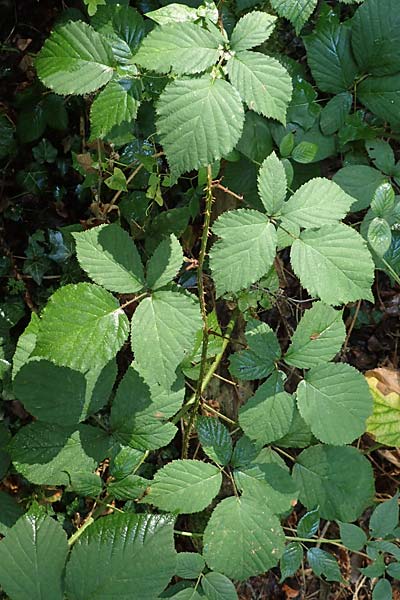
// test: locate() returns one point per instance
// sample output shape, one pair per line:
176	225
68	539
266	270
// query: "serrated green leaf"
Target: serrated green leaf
128	488
48	454
262	82
10	512
385	518
185	48
242	538
296	11
268	483
325	477
308	524
113	106
323	261
184	486
259	360
32	559
165	263
26	344
256	141
189	565
209	117
352	536
163	331
330	57
272	184
291	560
109	256
86	484
82	327
318	337
218	587
115	558
334	113
383	201
173	13
267	415
360	182
317	202
323	563
125	460
381	154
139	412
215	439
75	59
244	452
299	434
379	235
305	152
335	401
251	30
381	95
246	251
124	28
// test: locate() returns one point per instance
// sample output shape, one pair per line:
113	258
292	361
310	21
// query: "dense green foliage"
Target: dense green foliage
205	154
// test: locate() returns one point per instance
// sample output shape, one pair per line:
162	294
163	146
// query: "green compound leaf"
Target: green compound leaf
330	57
32	559
246	251
262	82
272	184
115	558
385	518
352	536
252	30
291	560
165	263
48	454
164	327
75	59
381	95
296	11
113	106
323	260
325	477
267	416
215	439
259	360
139	412
376	37
317	202
242	538
335	401
323	563
109	256
218	587
189	565
185	48
318	337
208	116
184	486
81	327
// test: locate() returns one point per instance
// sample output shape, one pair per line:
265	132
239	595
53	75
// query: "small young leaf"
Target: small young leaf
252	30
86	484
128	488
259	360
352	536
379	235
184	486
305	152
189	565
394	570
296	11
308	524
218	587
215	439
383	201
117	181
165	263
385	518
272	184
324	564
291	560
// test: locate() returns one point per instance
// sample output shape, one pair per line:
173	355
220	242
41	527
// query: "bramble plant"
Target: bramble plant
203	169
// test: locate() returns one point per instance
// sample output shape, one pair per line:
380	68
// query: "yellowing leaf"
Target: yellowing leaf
384	423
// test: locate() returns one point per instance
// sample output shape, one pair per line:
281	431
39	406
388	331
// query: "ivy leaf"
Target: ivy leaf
318	337
259	360
335	401
206	132
296	11
325	477
291	560
165	263
185	48
75	59
322	260
268	414
109	256
385	518
317	202
164	327
352	536
246	251
218	587
117	181
252	30
242	538
48	454
189	565
215	439
272	184
81	339
32	559
262	82
184	486
113	106
100	569
379	236
323	563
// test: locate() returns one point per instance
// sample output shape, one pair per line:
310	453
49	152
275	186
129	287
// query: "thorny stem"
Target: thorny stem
203	310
